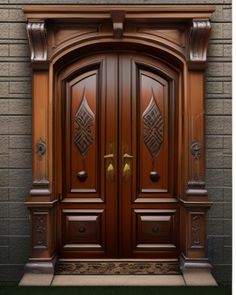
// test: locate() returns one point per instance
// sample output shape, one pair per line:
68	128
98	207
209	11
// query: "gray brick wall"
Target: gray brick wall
15	134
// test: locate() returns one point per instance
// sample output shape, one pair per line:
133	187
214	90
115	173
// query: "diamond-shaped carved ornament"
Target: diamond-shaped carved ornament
84	120
153	127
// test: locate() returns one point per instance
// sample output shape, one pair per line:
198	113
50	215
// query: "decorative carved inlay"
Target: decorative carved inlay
196	150
41	148
196	229
114	267
84	119
37	40
153	127
40	230
199	35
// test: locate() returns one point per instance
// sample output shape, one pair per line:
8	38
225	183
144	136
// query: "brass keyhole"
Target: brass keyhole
127	165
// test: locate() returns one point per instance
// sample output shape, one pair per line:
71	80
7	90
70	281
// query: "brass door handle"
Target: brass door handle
127	156
109	156
127	166
110	166
126	169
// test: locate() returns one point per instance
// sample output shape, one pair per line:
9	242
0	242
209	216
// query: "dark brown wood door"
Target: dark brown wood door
118	173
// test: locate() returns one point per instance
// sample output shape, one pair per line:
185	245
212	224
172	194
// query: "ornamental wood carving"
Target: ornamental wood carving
117	268
84	118
38	40
118	134
199	36
196	229
153	127
40	220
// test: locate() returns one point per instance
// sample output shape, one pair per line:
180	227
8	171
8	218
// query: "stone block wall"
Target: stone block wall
15	134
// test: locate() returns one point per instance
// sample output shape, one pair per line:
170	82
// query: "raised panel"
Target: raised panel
155	229
173	35
82	134
83	229
153	143
64	33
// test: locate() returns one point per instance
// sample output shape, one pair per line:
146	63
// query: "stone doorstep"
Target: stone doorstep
190	277
199	277
31	279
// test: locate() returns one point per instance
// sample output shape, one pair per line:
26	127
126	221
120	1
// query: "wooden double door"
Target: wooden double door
118	149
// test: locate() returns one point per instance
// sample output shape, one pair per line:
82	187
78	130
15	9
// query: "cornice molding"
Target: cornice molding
146	12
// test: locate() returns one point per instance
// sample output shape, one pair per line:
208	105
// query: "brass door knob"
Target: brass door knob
82	176
127	156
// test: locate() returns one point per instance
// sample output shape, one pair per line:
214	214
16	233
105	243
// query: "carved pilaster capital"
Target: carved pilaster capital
37	34
199	36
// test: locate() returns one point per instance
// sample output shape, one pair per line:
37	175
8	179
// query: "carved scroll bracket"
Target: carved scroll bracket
37	35
118	17
199	36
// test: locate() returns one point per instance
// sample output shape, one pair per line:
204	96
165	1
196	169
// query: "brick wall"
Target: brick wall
15	134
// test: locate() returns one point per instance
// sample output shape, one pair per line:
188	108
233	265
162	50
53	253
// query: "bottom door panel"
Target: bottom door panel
155	232
83	230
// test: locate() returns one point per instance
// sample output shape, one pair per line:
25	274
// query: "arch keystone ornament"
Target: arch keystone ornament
143	71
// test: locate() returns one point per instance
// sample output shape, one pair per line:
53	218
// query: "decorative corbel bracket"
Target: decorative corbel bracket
36	30
199	36
118	17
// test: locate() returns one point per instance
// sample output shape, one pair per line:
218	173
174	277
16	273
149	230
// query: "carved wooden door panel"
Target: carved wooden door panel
118	172
89	142
149	215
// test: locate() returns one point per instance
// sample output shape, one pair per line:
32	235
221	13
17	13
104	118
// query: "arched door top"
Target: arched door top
179	31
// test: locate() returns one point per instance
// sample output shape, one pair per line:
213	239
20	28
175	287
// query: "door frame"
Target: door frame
177	34
164	203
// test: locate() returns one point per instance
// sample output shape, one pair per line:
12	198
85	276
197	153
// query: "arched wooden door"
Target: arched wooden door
117	157
118	137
